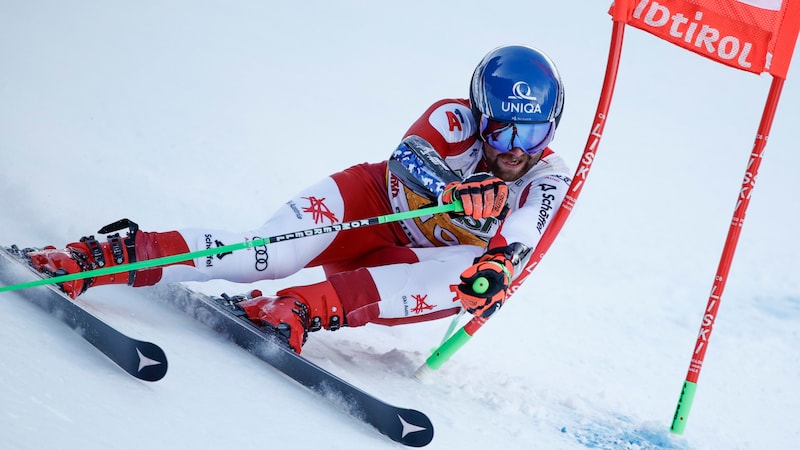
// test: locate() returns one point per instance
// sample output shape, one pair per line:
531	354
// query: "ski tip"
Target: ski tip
414	428
152	362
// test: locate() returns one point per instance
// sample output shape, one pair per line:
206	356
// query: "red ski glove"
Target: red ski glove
481	194
484	285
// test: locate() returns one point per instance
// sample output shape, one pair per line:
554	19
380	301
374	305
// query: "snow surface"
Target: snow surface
189	113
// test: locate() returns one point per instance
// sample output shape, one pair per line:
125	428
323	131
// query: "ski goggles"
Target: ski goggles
505	136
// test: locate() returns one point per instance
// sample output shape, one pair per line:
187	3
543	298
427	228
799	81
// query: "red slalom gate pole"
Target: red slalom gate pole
721	278
462	336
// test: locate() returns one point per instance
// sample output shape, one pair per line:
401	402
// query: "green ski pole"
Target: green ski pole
166	260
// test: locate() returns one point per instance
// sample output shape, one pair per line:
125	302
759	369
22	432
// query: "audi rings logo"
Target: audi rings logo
261	256
522	91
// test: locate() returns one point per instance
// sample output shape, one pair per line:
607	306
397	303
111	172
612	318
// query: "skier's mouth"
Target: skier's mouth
511	161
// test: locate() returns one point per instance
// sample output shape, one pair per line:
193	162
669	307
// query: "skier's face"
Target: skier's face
510	165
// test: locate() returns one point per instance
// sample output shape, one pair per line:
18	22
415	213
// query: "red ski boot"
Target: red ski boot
296	311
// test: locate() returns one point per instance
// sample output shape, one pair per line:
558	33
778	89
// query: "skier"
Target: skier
490	152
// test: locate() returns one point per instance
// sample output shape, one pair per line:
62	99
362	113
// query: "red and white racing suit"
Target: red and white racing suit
397	272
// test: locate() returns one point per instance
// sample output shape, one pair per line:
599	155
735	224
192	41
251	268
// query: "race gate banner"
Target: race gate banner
752	35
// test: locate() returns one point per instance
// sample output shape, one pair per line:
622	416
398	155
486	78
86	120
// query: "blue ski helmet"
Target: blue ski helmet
517	84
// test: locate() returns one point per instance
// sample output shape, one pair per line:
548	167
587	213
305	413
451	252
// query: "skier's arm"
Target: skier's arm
484	285
420	167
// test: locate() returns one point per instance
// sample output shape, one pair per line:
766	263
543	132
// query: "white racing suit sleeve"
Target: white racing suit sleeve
534	212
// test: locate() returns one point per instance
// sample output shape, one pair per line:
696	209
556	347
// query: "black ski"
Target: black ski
406	426
144	360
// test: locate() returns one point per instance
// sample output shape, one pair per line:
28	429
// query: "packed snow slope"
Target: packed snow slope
198	113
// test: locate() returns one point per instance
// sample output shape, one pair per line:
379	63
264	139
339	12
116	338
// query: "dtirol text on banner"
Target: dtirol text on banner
752	35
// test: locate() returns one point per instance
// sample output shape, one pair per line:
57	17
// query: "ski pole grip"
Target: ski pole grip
480	285
458	206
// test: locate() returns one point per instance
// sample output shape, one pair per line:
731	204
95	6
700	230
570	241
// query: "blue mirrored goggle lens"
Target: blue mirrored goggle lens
530	137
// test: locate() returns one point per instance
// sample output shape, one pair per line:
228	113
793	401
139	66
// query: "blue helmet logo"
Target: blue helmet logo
522	91
517	84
